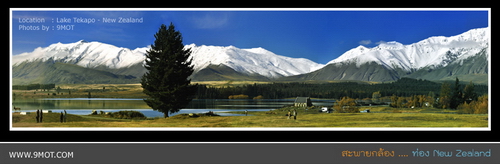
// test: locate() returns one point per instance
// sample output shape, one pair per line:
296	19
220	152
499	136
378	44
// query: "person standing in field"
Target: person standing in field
41	115
61	117
295	114
64	116
37	116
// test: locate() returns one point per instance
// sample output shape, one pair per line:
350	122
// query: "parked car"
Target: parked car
326	110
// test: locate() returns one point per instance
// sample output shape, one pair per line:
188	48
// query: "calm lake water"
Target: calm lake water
84	106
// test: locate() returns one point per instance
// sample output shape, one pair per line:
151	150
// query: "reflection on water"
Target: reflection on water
83	106
152	113
80	103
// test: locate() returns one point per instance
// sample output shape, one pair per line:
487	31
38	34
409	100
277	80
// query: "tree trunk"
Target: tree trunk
165	115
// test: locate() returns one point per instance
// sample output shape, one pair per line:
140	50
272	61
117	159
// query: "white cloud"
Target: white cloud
211	20
365	42
380	42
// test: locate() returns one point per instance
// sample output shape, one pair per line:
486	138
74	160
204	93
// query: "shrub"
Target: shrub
346	105
240	96
474	107
127	115
259	97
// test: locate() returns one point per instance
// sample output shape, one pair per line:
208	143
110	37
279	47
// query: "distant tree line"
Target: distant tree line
405	87
479	106
464	98
415	101
33	86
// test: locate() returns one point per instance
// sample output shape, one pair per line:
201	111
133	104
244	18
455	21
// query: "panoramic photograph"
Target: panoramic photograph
250	69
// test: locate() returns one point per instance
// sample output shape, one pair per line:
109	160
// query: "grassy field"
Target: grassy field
228	83
241	83
275	118
82	90
109	90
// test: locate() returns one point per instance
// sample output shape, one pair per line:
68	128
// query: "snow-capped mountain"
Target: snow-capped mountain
435	51
434	58
85	54
250	61
98	55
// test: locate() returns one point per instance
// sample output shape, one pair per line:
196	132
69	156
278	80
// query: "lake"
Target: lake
84	106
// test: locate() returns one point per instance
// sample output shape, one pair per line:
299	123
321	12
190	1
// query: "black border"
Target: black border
248	136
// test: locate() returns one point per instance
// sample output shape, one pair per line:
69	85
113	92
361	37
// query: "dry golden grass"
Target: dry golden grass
82	90
228	83
278	119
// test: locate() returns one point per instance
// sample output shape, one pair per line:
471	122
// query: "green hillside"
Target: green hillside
60	73
224	73
365	72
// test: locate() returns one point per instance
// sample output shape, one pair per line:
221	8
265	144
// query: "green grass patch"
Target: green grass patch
276	118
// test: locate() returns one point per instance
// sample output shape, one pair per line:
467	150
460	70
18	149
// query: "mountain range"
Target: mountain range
434	58
105	63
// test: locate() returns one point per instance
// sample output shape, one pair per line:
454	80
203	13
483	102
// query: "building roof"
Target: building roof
302	99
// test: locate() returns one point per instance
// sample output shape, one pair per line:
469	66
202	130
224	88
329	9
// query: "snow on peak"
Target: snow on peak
433	51
259	50
86	54
351	54
250	61
392	45
95	54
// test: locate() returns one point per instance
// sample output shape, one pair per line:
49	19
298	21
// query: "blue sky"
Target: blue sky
319	35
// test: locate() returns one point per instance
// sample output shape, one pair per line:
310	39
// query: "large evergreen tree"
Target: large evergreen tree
469	94
167	80
456	98
445	96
